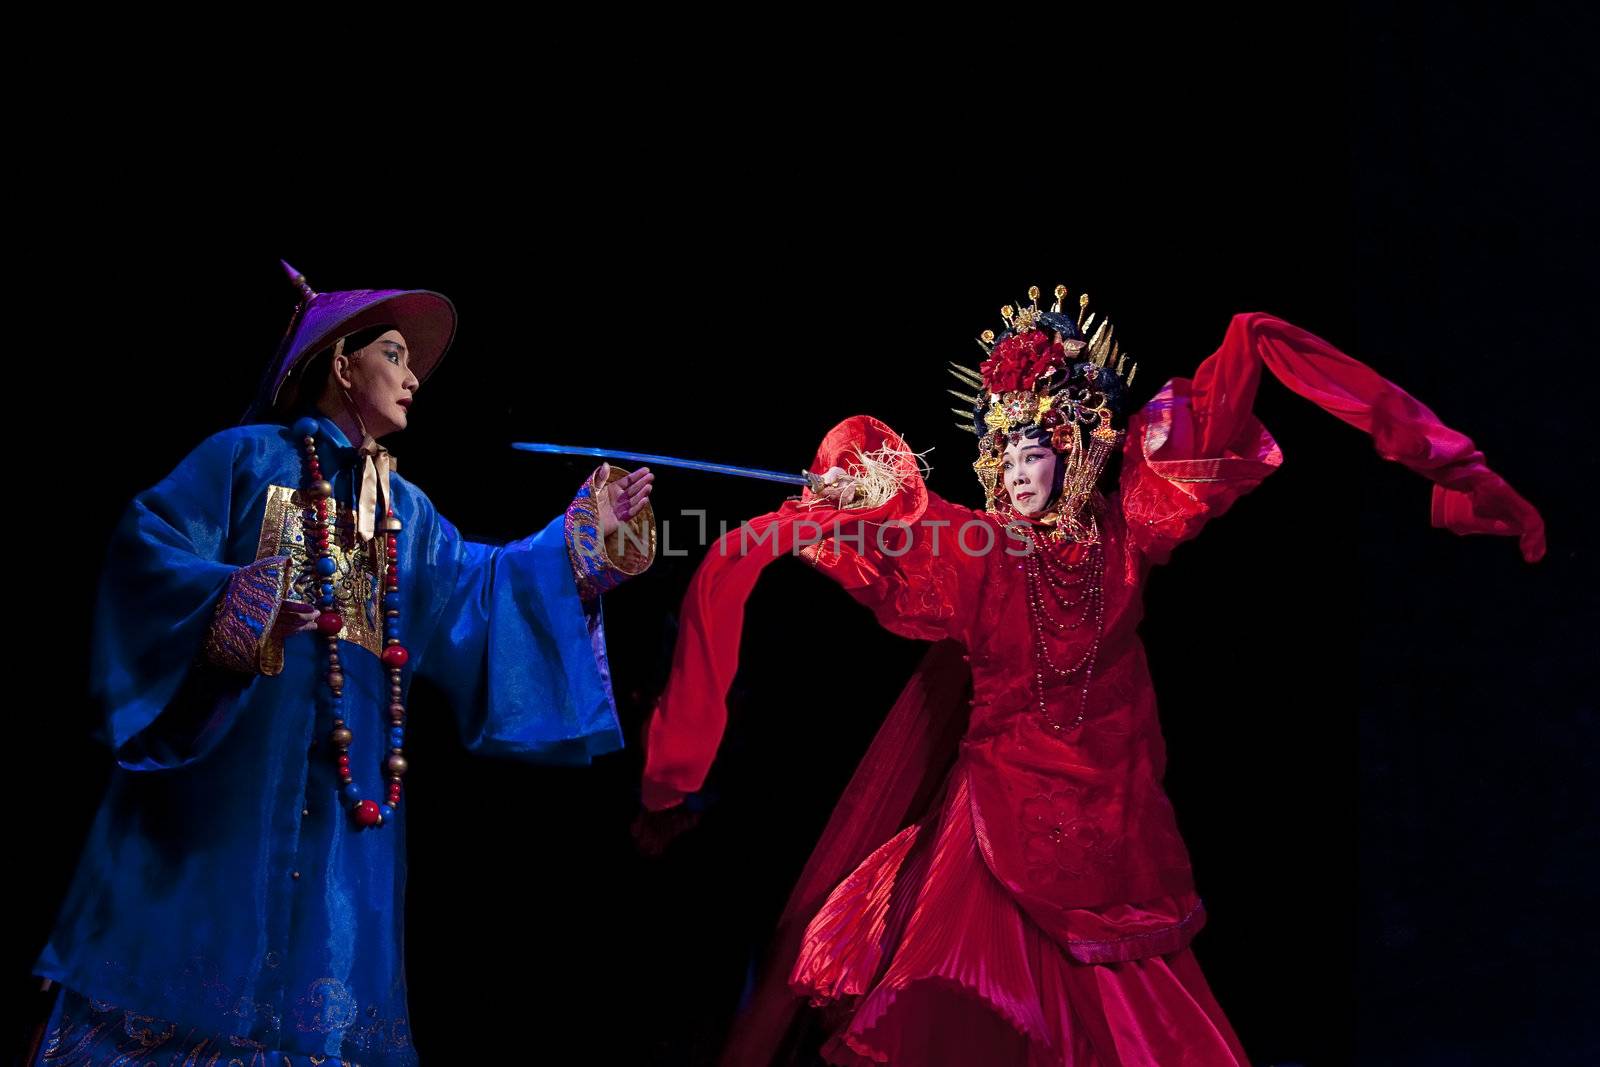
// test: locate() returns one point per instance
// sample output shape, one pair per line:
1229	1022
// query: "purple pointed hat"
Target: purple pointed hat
427	319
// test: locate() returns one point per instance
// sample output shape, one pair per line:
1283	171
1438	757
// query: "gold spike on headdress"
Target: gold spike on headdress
1061	294
1100	344
963	396
1083	303
965	374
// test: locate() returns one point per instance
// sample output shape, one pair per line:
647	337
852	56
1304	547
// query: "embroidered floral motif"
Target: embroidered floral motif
93	1033
326	1007
925	595
1058	842
149	1031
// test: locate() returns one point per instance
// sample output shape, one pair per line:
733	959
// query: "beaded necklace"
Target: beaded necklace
1075	589
318	491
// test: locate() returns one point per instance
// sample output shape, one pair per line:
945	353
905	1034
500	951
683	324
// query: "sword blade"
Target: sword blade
662	461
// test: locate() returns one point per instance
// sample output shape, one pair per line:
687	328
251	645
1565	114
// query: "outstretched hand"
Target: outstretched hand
839	487
628	496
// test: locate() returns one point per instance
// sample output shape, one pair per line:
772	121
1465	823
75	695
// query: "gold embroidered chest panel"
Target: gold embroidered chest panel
356	575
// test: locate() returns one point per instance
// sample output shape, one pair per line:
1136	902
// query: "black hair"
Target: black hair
305	386
1109	383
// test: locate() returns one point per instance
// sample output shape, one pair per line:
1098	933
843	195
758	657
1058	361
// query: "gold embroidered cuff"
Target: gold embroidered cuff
240	638
599	565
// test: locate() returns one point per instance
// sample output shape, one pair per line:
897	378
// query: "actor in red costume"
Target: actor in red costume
1039	906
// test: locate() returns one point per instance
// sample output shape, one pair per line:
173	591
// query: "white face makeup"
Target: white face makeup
1029	472
379	382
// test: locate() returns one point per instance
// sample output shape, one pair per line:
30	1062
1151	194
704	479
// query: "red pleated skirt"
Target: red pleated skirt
934	964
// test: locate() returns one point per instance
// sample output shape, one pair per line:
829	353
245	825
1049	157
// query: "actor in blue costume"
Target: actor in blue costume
239	901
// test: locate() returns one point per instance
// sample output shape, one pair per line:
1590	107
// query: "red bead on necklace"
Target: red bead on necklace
1052	578
330	622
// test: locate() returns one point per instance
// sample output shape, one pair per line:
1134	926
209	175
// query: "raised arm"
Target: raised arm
1196	447
515	634
919	592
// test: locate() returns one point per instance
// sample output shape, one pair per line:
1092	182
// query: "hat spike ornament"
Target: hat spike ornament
298	280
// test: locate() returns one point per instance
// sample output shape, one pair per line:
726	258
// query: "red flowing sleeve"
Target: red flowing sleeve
918	567
1196	448
1173	482
902	559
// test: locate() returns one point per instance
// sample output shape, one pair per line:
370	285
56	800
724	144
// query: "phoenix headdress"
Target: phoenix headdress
1052	376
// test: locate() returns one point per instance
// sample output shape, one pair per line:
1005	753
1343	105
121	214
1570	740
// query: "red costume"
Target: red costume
1040	907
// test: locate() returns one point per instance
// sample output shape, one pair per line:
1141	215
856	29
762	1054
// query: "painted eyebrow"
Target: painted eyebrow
395	344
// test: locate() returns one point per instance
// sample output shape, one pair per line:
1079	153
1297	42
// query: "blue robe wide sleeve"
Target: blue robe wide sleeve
224	887
167	565
521	656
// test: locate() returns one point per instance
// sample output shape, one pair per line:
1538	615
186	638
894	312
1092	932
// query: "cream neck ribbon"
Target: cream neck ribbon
376	463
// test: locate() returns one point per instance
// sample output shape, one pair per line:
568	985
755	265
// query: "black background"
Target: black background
1382	736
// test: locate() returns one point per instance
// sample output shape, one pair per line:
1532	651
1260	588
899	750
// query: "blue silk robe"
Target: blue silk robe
224	889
